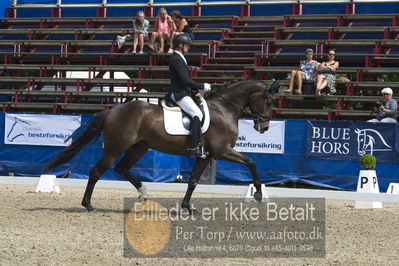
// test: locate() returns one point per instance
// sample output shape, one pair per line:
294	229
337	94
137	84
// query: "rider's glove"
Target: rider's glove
207	87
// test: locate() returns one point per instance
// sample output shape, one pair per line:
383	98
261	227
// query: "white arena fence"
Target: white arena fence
215	189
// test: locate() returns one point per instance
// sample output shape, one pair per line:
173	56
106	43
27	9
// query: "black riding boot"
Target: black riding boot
196	148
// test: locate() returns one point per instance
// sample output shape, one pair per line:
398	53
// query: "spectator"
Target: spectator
385	109
181	26
305	71
326	74
164	27
140	26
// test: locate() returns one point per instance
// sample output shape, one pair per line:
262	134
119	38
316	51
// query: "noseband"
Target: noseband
258	117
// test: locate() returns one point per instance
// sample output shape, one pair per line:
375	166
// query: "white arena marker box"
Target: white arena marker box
47	184
367	183
393	188
250	193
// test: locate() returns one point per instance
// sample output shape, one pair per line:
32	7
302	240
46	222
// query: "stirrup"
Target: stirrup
198	151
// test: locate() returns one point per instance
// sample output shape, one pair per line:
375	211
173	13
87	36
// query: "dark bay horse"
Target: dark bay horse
132	128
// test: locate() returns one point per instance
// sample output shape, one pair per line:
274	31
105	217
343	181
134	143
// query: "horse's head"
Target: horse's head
260	104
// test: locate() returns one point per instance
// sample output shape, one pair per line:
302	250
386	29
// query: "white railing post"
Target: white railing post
14	2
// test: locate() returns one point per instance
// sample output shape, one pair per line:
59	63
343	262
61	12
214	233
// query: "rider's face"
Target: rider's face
186	48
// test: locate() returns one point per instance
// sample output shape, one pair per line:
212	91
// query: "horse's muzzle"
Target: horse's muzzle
263	130
258	127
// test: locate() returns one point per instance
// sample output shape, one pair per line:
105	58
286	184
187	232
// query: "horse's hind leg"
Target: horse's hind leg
95	174
198	168
132	155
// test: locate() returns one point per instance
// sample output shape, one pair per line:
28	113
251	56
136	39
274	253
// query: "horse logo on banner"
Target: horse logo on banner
370	140
16	130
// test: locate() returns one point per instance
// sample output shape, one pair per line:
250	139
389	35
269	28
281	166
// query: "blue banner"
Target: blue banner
349	141
292	166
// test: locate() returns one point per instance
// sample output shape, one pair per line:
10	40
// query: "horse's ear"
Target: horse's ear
273	87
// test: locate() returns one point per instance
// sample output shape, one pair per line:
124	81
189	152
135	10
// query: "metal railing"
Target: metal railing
151	3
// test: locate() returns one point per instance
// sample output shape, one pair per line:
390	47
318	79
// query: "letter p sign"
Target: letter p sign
367	182
364	180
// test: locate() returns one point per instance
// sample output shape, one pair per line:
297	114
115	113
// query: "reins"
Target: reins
257	116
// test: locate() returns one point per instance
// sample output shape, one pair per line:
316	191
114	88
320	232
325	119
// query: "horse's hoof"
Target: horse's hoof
258	196
142	193
191	211
88	207
142	198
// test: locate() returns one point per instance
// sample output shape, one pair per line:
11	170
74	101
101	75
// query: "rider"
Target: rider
182	86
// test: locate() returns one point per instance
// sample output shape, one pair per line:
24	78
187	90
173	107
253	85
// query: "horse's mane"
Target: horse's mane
230	84
227	86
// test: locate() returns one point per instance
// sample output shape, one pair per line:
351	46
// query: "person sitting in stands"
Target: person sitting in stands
163	29
181	26
385	109
326	74
305	71
140	26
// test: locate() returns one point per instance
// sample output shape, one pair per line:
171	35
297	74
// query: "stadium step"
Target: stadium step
216	79
243	60
246	40
47	22
247	34
233	53
225	66
236	46
213	72
249	28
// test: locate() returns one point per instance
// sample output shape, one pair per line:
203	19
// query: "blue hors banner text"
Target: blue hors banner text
349	141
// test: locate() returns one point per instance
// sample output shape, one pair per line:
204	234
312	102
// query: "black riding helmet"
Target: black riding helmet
181	38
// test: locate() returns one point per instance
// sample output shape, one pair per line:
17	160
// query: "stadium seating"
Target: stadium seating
226	48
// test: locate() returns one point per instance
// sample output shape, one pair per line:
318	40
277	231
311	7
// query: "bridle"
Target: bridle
257	117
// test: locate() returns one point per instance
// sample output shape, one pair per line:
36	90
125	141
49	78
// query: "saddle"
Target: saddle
177	122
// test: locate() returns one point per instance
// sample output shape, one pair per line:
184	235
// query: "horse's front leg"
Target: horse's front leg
198	168
232	155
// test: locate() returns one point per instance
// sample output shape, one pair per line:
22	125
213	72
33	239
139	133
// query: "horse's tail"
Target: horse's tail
93	131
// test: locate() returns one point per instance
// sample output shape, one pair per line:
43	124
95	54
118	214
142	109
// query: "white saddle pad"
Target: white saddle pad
174	123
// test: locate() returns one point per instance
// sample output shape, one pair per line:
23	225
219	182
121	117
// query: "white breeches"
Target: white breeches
189	106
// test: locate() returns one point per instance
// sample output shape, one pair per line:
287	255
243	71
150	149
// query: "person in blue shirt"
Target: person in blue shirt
306	71
140	26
